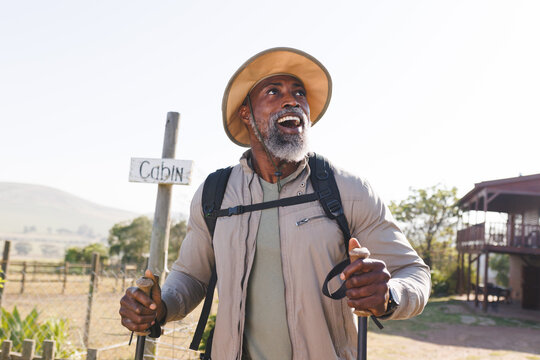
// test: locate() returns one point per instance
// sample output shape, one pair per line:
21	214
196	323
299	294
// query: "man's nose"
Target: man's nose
289	101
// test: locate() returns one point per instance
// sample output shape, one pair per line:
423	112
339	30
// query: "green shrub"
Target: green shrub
501	264
16	328
84	255
443	282
209	326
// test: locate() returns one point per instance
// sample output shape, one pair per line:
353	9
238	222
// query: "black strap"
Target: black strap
240	209
155	330
325	190
209	341
212	197
340	293
205	312
338	269
324	183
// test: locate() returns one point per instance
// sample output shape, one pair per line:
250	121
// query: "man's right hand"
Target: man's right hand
140	311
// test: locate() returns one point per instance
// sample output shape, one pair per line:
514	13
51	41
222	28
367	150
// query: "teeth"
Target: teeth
296	119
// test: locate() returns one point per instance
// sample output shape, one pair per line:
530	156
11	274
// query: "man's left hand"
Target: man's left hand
367	285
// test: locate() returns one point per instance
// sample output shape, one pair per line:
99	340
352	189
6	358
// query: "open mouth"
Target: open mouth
290	121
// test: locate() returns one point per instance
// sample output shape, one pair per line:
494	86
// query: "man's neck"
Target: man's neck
266	170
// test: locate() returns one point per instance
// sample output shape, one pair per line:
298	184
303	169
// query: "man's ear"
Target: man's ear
243	111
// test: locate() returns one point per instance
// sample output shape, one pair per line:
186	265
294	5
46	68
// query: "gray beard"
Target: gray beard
291	148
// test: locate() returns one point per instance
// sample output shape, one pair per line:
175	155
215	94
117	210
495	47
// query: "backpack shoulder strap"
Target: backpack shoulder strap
324	183
212	197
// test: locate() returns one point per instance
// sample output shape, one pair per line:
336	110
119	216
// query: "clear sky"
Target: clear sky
425	92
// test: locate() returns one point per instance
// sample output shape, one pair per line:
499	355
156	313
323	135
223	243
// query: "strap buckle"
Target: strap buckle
325	192
237	210
335	207
208	210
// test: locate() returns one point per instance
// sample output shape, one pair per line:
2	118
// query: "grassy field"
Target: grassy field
448	329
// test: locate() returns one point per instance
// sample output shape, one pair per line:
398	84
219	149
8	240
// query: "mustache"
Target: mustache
290	111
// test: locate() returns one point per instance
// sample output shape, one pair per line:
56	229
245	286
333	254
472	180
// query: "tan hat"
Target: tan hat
276	61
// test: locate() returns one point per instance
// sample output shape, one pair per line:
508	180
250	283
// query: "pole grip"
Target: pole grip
145	284
356	251
355	254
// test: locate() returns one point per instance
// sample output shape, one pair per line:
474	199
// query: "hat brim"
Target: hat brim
281	60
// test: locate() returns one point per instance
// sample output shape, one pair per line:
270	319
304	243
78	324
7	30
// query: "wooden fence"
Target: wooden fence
28	279
27	272
28	350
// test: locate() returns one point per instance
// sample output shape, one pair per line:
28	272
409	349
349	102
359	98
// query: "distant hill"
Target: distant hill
26	208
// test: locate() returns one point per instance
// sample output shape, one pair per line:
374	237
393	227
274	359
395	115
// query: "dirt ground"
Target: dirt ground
454	329
448	328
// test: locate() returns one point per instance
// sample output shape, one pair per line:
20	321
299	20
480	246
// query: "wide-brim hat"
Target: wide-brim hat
275	61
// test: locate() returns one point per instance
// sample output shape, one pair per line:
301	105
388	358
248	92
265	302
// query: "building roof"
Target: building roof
504	195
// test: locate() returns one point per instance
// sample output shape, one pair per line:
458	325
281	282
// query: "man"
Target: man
271	263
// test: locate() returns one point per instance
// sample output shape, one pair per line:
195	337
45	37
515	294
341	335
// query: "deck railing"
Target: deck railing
499	234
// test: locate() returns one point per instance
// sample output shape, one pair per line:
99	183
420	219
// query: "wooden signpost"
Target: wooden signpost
160	171
165	172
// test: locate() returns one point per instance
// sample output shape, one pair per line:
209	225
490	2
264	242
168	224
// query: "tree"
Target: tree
84	255
428	217
89	250
176	236
131	240
501	264
73	254
23	248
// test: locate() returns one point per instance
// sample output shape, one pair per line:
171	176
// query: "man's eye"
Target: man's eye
300	93
272	92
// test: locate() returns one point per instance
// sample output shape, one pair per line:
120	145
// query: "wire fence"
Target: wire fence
85	300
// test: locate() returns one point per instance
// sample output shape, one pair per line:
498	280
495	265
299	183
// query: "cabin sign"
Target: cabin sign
160	171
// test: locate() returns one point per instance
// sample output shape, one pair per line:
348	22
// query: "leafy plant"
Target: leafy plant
206	334
131	240
176	236
16	328
501	264
443	282
84	255
428	217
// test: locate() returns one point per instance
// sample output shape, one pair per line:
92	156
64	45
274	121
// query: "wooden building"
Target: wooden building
517	202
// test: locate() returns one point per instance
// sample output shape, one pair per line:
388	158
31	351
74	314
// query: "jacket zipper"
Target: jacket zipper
286	290
246	264
306	220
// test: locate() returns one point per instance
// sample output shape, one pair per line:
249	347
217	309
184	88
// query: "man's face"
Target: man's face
282	114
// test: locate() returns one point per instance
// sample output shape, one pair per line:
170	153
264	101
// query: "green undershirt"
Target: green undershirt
266	332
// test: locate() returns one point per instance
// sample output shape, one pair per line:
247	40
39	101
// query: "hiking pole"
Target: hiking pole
355	254
145	284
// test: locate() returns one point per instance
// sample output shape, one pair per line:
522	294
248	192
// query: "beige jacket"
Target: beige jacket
319	327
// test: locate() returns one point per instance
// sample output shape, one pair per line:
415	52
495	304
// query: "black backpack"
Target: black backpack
325	191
